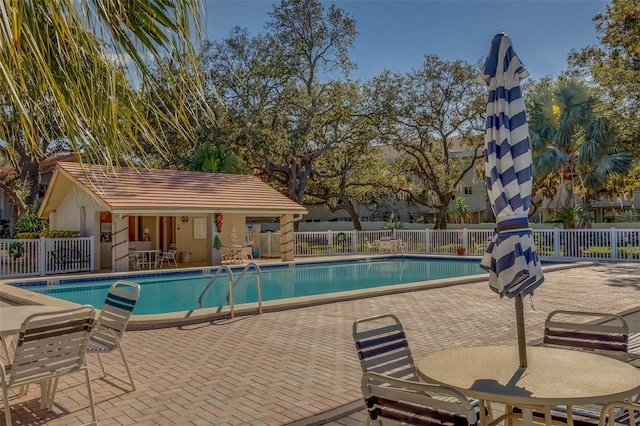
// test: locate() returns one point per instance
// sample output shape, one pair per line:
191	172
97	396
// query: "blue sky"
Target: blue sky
395	35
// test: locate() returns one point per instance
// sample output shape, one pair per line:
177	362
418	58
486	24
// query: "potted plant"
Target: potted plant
460	250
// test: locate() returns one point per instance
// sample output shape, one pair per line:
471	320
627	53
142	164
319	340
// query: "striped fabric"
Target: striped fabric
114	317
111	325
510	258
383	348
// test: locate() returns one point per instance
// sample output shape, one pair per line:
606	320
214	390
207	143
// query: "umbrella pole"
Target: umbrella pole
522	345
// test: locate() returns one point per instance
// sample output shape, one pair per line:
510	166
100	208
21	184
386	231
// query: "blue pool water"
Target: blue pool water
179	291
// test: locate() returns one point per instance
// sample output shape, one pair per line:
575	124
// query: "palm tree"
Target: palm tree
573	139
91	60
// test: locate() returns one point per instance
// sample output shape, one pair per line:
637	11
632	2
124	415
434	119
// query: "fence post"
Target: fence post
269	244
42	256
92	253
465	239
613	238
556	242
329	243
354	242
426	240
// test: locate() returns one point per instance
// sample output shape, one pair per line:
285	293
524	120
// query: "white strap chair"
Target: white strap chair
112	323
415	403
50	345
169	256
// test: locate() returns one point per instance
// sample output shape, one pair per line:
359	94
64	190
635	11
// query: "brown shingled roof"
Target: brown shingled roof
129	190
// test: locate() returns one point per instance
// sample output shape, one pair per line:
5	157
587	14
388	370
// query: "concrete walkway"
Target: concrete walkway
291	366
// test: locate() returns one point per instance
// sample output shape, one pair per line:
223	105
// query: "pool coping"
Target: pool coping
181	318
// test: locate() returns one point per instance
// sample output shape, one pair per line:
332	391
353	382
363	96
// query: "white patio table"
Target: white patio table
552	377
148	258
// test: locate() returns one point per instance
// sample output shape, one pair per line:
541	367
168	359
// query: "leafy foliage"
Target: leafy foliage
78	58
59	233
30	222
573	141
460	209
614	64
285	116
433	116
207	158
576	217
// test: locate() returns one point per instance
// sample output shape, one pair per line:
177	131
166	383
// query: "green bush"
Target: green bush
59	233
27	235
30	222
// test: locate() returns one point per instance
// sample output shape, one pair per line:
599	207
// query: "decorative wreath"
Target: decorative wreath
16	250
340	237
219	222
185	219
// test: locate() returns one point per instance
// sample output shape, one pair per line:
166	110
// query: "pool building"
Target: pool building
151	209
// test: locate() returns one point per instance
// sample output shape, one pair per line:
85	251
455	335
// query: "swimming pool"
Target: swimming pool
179	291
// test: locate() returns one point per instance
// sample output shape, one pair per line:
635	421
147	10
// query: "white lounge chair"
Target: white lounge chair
50	345
414	403
620	413
168	256
604	333
383	348
112	323
372	247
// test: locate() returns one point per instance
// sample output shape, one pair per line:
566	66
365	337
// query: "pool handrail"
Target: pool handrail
220	269
258	281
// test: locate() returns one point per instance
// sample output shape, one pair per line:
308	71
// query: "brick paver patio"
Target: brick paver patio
284	367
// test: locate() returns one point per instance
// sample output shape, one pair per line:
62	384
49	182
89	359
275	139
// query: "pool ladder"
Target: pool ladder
232	284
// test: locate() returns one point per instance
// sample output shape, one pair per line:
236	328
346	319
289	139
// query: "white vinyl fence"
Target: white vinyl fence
45	256
574	244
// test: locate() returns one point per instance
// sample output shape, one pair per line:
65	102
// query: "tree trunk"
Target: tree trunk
443	210
441	219
31	173
353	212
565	198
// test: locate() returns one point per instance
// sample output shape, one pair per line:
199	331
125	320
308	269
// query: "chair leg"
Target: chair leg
7	406
92	406
49	387
104	372
129	382
126	366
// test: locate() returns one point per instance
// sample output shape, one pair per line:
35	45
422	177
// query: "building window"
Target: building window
468	190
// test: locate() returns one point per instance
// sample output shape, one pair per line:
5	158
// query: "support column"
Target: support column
120	244
286	238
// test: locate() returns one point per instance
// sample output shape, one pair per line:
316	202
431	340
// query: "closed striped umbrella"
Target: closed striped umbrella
511	259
